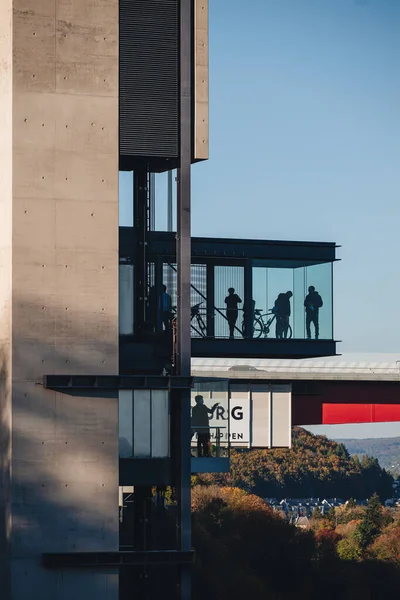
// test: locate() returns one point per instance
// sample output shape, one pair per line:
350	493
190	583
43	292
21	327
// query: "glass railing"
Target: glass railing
261	324
286	303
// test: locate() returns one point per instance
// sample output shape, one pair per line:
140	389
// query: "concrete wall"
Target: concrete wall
5	288
64	289
201	101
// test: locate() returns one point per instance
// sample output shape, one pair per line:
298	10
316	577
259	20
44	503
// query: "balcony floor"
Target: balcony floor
210	465
154	354
261	348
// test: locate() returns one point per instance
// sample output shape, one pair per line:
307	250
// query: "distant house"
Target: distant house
302	523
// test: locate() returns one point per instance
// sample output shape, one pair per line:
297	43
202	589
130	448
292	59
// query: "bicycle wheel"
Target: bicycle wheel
267	326
258	328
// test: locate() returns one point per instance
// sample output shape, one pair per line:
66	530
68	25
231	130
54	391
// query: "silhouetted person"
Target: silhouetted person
232	301
313	302
282	312
166	307
201	425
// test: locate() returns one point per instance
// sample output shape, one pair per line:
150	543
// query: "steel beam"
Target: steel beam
102	560
140	222
183	254
115	382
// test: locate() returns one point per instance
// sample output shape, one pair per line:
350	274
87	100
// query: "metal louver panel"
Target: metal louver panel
148	84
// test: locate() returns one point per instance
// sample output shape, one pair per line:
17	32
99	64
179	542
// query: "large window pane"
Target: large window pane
125	199
126	299
319	278
313	320
125	405
299	294
269	284
165	191
198	294
226	278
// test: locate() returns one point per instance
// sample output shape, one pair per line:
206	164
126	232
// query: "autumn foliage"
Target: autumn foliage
314	467
245	550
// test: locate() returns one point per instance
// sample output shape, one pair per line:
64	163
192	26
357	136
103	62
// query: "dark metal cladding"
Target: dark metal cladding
101	560
148	79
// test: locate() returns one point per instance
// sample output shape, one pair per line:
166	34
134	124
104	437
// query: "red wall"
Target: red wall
338	402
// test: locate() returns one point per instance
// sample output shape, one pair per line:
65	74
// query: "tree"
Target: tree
327	542
349	549
371	525
331	517
374	513
244	548
342	452
387	546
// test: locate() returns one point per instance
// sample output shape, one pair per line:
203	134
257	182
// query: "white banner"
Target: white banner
236	423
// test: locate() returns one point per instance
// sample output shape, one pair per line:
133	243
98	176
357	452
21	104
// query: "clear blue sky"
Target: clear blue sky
305	144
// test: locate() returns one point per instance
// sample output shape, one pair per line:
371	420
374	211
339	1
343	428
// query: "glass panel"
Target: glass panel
126	299
125	199
141	424
229	293
279	295
125	405
299	293
319	309
285	290
210	418
165	198
198	300
168	300
144	430
198	295
273	302
159	423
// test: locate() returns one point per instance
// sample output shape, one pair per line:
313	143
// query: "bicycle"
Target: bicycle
199	325
262	327
196	316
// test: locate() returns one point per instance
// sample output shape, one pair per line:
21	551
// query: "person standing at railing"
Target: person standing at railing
282	312
232	300
201	425
313	302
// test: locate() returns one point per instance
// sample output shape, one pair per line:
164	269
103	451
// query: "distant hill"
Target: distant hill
313	467
386	450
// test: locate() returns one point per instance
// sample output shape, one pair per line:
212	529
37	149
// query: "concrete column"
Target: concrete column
58	290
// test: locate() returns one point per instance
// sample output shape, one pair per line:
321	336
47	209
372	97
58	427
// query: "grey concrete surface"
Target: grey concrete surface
201	102
58	290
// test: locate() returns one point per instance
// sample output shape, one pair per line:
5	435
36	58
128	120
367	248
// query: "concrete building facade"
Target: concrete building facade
58	290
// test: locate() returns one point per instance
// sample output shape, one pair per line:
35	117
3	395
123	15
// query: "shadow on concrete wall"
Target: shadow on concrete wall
64	471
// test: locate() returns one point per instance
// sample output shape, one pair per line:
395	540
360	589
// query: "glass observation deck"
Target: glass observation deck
249	298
